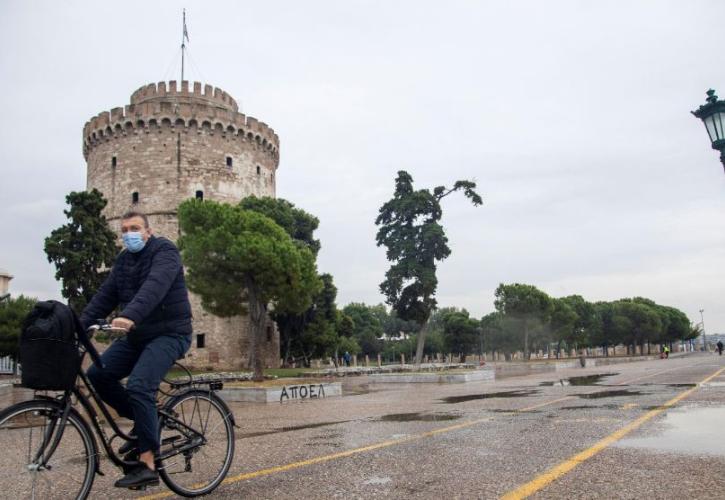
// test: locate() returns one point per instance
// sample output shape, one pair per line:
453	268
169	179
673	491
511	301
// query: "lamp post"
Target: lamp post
712	115
704	335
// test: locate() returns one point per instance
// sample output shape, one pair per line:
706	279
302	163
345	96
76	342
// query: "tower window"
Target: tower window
229	161
113	161
259	170
200	341
134	197
200	195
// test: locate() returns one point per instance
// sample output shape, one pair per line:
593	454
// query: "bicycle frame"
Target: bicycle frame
193	438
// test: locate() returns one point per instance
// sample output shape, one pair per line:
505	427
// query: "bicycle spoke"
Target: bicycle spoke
208	413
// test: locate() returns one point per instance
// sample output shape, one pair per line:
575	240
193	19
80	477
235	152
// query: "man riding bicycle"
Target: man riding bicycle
147	286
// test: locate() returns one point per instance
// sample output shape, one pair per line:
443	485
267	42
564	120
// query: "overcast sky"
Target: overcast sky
572	116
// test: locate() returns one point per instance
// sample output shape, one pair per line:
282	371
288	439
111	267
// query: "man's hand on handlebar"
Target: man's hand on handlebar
122	323
111	329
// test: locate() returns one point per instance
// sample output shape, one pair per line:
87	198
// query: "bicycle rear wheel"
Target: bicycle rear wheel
30	467
208	455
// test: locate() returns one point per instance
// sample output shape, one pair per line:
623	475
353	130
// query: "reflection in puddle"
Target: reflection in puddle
583	380
609	394
692	430
506	394
417	417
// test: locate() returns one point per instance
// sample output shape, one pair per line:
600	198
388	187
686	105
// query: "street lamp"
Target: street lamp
713	116
704	335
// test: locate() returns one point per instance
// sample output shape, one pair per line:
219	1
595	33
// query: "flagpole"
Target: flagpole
183	44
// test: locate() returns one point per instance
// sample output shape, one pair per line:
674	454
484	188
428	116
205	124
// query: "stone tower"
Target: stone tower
170	144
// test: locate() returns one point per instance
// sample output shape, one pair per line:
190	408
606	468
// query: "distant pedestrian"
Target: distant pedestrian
719	347
347	358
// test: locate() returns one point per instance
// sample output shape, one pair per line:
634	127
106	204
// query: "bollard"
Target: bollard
402	358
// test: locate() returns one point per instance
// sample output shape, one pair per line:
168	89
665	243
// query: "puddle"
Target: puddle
583	380
491	395
596	407
289	429
418	417
690	431
609	394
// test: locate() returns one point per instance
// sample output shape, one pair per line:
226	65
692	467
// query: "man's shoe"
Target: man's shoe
140	477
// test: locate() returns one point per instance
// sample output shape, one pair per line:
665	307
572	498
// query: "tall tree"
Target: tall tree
236	256
410	229
300	225
12	313
526	305
83	250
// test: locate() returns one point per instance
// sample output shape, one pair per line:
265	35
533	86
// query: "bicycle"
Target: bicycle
48	448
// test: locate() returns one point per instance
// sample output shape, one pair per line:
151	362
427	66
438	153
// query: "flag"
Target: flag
186	33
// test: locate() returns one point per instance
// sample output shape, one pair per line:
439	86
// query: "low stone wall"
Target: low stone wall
433	378
282	393
522	368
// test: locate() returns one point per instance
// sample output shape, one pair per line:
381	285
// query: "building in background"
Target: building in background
171	143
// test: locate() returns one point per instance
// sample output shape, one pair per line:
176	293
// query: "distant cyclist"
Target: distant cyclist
147	285
667	352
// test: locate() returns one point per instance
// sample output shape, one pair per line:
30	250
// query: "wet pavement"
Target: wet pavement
482	439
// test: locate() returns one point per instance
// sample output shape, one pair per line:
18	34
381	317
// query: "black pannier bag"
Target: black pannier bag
49	354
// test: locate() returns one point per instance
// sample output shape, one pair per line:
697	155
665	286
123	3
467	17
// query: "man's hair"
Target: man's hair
134	213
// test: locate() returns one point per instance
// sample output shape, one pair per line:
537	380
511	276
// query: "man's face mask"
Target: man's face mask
134	234
133	241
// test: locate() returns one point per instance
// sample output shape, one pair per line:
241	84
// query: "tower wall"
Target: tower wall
167	145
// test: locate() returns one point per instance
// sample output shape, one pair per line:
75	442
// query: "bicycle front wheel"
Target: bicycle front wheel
201	427
31	466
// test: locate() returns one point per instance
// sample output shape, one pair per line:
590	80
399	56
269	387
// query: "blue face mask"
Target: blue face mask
134	241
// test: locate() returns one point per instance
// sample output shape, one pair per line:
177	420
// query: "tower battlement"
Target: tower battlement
159	108
161	91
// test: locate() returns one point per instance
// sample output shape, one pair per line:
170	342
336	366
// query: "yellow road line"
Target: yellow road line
564	467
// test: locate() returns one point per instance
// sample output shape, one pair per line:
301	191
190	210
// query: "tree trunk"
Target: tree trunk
257	310
421	343
527	355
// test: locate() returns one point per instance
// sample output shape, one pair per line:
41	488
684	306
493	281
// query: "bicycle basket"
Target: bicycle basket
49	348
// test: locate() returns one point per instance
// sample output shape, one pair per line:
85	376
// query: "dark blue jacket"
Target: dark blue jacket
148	287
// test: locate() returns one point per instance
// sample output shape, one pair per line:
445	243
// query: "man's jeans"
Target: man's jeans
144	363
